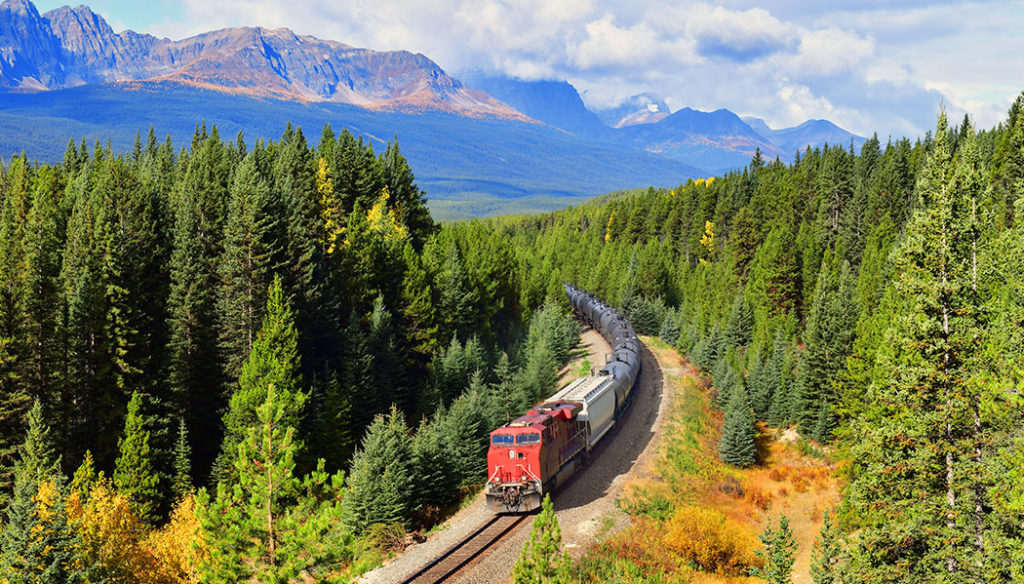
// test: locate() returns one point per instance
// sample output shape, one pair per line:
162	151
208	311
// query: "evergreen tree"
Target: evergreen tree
542	561
737	446
380	482
830	333
37	543
825	555
254	529
182	484
778	555
273	362
253	252
436	485
919	491
134	475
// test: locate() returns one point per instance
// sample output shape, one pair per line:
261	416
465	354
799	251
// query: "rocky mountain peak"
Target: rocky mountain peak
73	46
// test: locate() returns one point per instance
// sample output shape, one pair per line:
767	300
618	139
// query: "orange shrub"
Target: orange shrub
800	484
710	540
758	497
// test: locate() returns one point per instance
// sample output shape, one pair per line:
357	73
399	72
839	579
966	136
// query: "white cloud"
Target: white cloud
869	65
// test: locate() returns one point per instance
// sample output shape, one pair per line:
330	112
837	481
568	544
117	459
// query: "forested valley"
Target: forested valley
226	363
281	326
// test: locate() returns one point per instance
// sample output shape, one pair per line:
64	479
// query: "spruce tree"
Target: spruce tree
825	555
381	481
436	485
542	560
778	555
737	445
182	484
134	475
38	544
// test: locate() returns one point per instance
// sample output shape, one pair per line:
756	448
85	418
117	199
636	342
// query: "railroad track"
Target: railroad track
470	548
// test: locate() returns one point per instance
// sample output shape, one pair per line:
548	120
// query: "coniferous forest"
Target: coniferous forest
224	363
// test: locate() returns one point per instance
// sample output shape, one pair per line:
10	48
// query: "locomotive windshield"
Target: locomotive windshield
502	439
528	439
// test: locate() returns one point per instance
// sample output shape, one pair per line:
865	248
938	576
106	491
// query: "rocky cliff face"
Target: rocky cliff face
73	46
30	55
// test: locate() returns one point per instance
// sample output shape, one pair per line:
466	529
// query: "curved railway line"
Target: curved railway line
460	555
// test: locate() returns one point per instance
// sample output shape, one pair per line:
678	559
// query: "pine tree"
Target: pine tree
825	555
778	555
921	457
269	526
380	482
737	445
134	475
542	561
182	484
274	361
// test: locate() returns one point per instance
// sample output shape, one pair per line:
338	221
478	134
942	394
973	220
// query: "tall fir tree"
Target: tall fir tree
920	491
134	475
254	250
737	445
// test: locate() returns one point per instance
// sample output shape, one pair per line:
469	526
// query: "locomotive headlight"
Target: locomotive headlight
511	453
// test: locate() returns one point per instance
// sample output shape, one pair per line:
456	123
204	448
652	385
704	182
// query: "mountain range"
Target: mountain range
67	73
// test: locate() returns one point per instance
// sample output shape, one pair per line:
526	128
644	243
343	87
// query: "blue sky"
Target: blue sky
868	65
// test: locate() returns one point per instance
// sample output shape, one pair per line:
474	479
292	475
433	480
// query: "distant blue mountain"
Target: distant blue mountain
813	133
556	103
468	166
717	141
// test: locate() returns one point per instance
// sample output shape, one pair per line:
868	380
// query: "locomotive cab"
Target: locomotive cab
514	466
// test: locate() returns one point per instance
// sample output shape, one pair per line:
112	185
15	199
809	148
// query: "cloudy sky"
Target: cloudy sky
868	65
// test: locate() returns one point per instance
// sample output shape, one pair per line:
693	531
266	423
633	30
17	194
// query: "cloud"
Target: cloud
868	65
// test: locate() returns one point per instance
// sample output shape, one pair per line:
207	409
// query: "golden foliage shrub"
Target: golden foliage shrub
710	540
110	533
177	548
125	548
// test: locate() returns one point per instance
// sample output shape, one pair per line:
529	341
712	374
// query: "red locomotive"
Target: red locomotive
539	451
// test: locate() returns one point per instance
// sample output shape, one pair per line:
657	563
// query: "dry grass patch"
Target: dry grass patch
705	514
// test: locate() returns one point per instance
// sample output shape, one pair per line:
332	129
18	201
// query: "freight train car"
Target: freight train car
540	450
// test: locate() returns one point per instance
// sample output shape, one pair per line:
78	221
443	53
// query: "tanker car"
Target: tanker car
540	450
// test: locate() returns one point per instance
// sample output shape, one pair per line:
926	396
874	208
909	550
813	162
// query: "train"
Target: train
537	452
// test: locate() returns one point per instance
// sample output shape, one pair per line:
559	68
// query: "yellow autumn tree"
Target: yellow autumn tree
608	228
708	241
385	221
330	207
110	533
177	548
